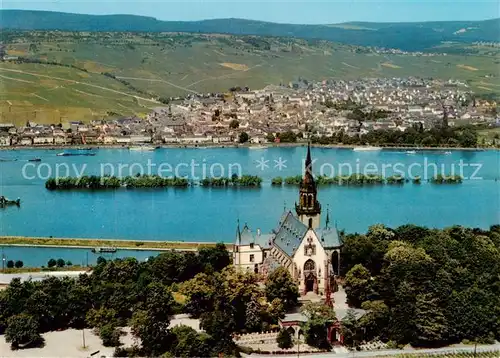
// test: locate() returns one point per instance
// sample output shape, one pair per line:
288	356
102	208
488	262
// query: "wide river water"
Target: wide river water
202	214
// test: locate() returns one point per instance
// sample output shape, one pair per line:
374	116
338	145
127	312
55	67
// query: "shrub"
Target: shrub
10	264
19	264
284	339
110	335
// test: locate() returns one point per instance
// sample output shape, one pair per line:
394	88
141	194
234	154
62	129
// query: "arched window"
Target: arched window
335	262
309	265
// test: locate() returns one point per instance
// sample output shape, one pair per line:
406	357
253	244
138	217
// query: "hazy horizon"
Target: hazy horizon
277	11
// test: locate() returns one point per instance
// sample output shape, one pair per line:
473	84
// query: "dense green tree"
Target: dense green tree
253	315
358	285
110	335
315	333
10	264
19	264
320	317
430	322
284	339
244	137
150	322
200	292
218	257
51	263
375	322
22	330
189	343
220	324
60	263
101	317
350	329
279	284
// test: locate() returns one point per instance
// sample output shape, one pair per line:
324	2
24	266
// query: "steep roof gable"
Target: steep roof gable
290	234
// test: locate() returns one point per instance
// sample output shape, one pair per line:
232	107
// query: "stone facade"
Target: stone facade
311	254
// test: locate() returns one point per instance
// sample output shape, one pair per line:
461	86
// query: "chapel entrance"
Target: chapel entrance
310	283
310	279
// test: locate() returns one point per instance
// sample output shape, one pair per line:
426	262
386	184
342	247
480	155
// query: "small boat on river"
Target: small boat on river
75	154
6	202
34	160
367	149
103	250
142	148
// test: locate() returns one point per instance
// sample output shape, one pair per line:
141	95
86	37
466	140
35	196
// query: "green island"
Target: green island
234	181
362	179
95	182
91	243
245	181
111	182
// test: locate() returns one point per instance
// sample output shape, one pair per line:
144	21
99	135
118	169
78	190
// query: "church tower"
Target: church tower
308	209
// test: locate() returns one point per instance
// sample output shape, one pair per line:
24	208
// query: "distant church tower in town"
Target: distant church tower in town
308	209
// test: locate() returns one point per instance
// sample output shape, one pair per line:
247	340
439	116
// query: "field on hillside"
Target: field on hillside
142	68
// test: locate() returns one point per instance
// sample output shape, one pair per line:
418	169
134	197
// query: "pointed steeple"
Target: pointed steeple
308	163
238	232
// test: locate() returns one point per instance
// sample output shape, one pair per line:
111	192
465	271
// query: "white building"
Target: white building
310	253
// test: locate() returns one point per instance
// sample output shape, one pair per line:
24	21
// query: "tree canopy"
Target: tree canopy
427	287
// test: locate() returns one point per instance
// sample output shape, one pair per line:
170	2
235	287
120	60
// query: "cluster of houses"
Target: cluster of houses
300	107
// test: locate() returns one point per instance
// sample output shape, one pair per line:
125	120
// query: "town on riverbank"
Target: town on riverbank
331	112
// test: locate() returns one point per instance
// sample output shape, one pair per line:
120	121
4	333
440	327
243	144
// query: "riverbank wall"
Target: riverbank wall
83	243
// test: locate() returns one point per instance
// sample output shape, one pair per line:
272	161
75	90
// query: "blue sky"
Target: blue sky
308	12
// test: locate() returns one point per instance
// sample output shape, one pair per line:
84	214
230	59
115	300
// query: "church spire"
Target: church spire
308	209
308	164
238	232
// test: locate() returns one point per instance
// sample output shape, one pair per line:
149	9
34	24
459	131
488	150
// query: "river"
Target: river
203	214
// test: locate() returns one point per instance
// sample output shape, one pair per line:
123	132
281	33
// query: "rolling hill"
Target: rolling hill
406	36
65	76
